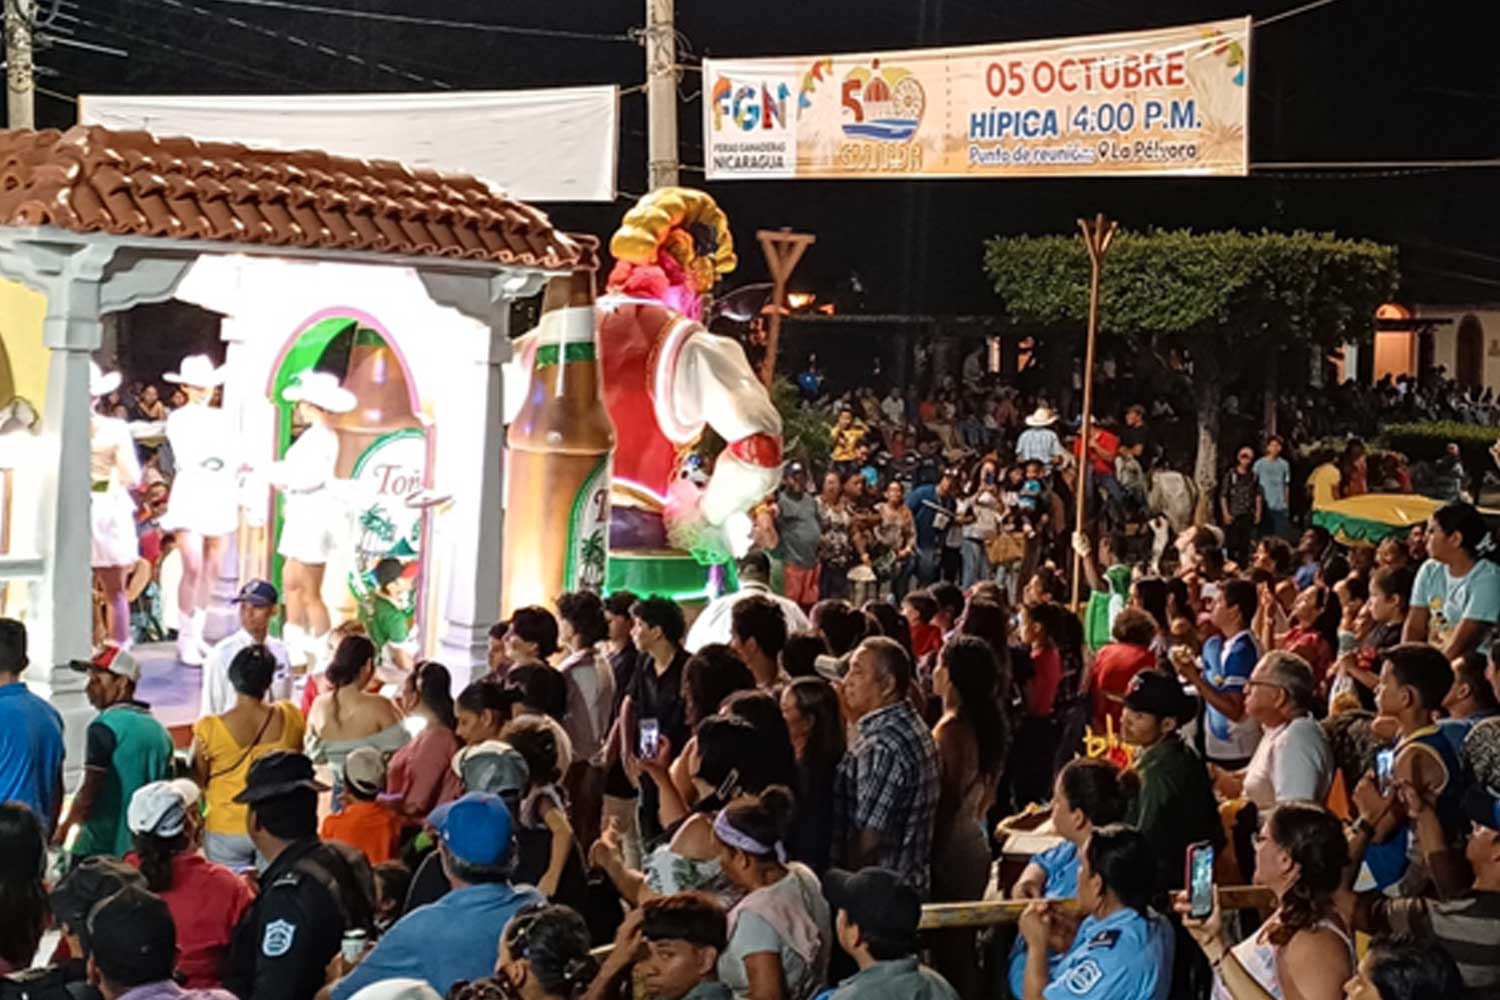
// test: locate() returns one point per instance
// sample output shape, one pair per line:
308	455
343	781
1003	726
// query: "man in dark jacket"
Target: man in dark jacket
311	892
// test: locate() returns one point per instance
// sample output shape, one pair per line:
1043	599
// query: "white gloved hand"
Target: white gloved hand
1081	545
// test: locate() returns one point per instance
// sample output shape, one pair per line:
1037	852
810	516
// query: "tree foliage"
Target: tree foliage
1235	286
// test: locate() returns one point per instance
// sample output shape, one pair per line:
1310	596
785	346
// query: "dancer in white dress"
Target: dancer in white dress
313	514
115	471
203	507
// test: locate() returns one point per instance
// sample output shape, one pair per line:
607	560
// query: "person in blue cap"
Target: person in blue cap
457	938
1122	950
257	602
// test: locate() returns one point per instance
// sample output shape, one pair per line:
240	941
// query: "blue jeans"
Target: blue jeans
976	563
929	563
1275	522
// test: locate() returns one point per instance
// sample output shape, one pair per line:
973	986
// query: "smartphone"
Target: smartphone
1200	880
650	739
1385	768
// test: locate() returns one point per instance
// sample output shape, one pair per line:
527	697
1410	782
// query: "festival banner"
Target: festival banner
1166	101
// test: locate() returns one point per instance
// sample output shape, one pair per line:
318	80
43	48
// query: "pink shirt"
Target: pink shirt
1041	692
420	777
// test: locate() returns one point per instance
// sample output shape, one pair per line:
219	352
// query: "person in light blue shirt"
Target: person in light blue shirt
1275	477
31	735
458	937
1122	950
1087	795
1455	602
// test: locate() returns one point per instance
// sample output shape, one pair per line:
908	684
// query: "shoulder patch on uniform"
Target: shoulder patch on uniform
1105	939
290	878
278	938
1083	977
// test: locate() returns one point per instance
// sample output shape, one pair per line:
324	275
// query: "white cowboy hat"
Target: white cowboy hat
197	370
1043	417
322	390
101	384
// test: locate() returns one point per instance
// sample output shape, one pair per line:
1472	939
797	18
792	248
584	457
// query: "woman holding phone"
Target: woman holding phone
1304	951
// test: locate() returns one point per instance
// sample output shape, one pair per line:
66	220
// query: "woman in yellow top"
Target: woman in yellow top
847	435
224	747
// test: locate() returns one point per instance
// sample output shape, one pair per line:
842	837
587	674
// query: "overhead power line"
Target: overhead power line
431	22
1262	22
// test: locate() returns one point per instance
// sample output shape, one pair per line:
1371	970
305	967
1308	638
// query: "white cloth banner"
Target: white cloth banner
535	145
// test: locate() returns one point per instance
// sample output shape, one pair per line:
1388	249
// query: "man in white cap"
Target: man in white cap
203	508
114	471
125	748
312	514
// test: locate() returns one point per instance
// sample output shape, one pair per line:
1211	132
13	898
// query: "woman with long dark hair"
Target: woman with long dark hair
164	831
23	898
349	717
419	777
1313	631
810	706
972	739
1460	581
1300	855
224	746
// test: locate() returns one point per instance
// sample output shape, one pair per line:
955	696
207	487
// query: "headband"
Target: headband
741	841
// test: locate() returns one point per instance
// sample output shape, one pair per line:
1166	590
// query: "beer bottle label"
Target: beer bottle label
588	532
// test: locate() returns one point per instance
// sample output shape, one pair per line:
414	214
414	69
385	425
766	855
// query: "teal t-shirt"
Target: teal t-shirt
1474	595
132	749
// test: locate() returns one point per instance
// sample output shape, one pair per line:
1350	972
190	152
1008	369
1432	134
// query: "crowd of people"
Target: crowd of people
761	805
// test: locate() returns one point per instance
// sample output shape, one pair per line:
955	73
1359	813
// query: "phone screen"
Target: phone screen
1385	767
650	738
1201	880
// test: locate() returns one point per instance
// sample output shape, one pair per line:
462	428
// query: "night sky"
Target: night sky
1355	80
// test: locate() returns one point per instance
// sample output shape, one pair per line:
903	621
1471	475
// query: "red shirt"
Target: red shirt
365	826
1312	647
1115	667
1040	693
925	638
1102	454
206	902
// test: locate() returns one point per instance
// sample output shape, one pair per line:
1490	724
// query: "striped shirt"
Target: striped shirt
888	783
1468	928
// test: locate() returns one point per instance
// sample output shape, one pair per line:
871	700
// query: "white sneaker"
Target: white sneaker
200	624
294	638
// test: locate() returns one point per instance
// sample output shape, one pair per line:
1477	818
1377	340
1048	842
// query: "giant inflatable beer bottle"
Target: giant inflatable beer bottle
558	458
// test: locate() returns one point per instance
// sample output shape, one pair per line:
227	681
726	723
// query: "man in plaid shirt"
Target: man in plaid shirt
886	791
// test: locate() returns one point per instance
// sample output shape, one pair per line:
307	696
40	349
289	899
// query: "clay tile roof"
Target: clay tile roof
90	179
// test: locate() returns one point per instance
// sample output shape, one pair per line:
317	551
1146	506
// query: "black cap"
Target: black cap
279	774
1158	693
135	940
878	902
90	881
1480	805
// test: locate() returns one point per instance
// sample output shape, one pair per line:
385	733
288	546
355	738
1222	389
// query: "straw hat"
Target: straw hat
1043	417
101	384
197	370
322	390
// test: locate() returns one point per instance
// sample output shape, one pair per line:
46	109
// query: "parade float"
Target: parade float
677	516
394	286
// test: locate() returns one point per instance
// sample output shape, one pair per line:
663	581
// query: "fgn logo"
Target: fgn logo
750	106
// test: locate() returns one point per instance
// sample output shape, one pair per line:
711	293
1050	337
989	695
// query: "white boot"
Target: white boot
294	637
200	623
188	651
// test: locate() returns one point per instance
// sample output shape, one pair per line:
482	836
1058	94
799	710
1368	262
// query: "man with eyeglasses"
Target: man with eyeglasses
1293	760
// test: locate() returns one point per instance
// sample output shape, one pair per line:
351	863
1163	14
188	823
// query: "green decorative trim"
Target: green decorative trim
675	575
578	350
1359	529
381	442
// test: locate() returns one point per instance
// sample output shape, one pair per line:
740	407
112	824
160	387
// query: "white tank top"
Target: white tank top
1258	956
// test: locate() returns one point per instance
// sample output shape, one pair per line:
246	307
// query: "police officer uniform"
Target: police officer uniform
1125	956
309	896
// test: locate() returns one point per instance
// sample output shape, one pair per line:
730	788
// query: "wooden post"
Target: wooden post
783	249
1096	238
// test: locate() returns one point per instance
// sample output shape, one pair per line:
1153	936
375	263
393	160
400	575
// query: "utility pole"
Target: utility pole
660	39
20	85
